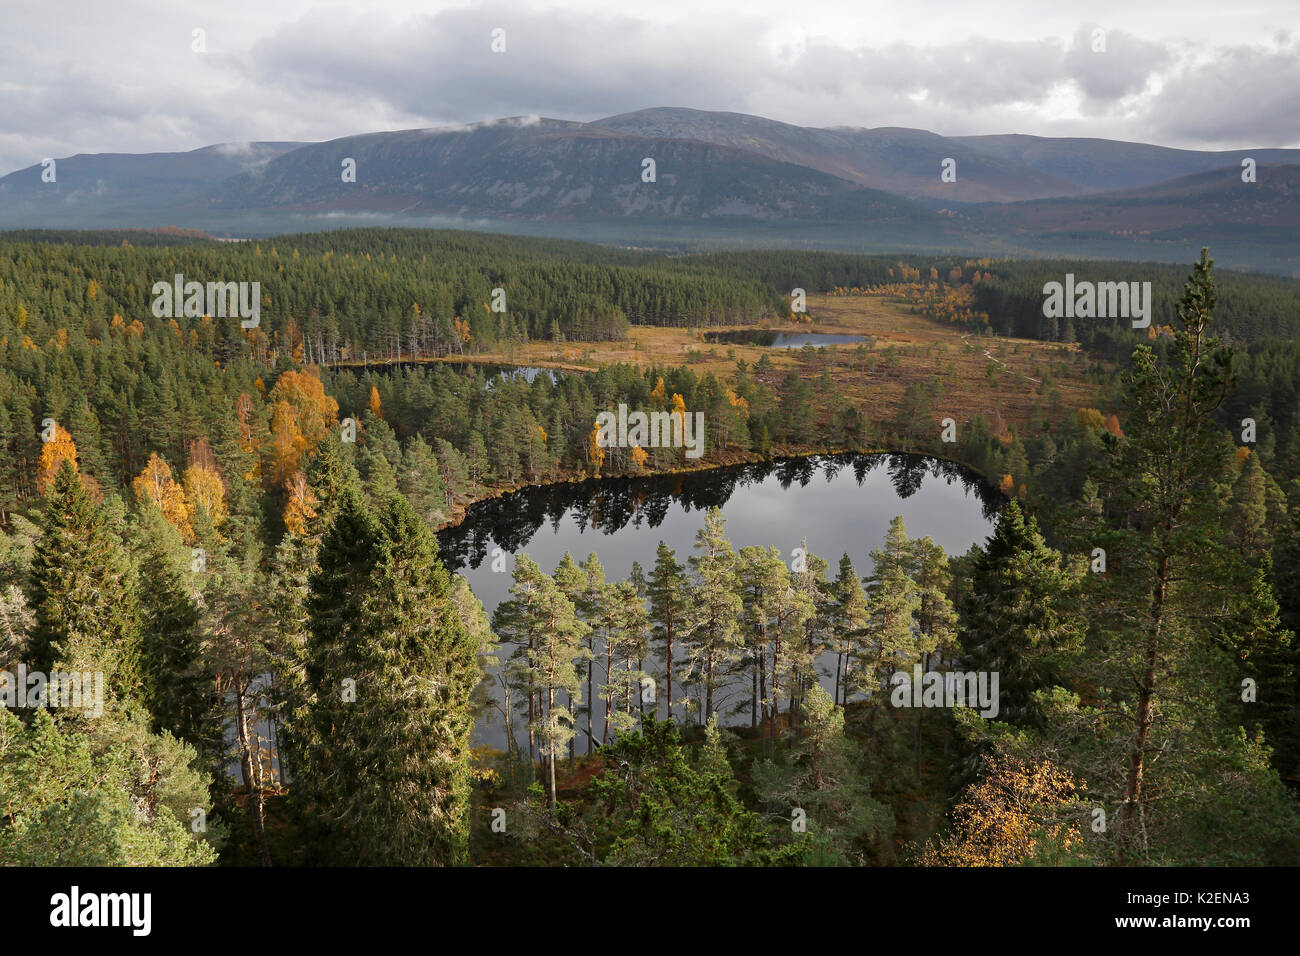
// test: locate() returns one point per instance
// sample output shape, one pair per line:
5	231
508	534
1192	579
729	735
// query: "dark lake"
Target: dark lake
840	504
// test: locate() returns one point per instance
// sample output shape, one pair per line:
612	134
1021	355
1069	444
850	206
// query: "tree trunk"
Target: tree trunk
591	701
776	692
670	669
551	761
252	774
1146	698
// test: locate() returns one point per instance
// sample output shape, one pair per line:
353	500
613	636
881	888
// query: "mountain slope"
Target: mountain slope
1205	205
554	169
90	187
1099	165
904	161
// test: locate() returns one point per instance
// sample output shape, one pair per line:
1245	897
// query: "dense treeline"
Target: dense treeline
165	236
242	544
339	296
1251	307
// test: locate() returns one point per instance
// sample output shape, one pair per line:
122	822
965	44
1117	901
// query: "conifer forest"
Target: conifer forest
687	487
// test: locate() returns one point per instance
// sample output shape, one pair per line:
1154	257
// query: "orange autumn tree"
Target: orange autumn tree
301	506
595	450
252	434
156	484
1002	820
375	407
301	416
679	412
286	448
316	413
53	454
204	489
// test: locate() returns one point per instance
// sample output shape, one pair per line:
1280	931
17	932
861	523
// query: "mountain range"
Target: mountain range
718	177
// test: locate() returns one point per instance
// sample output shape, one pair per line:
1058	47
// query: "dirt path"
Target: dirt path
989	355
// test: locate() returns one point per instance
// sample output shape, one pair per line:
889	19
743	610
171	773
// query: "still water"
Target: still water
839	504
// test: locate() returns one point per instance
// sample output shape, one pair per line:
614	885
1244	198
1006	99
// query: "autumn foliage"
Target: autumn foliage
53	454
1001	820
595	450
301	415
301	506
155	483
204	489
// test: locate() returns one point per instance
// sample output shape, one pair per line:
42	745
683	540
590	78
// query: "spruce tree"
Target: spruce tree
177	688
415	704
1017	611
83	591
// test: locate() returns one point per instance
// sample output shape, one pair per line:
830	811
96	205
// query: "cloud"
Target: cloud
128	80
1245	96
1108	65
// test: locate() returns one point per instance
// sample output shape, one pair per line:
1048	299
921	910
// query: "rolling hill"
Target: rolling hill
722	179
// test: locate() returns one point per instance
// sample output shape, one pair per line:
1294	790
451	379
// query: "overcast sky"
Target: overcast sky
122	75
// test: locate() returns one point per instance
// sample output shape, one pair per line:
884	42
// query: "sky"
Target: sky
125	76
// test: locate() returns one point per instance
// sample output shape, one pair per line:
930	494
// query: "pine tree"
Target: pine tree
713	614
422	484
1173	587
74	795
775	616
809	581
936	621
551	642
626	640
889	644
661	809
849	618
823	777
667	588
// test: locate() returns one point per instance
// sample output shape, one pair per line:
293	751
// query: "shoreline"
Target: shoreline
741	458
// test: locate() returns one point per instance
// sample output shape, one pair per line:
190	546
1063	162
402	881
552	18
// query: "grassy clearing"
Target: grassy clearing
1000	378
1004	379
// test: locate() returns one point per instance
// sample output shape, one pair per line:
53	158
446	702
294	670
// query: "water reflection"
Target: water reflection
609	505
